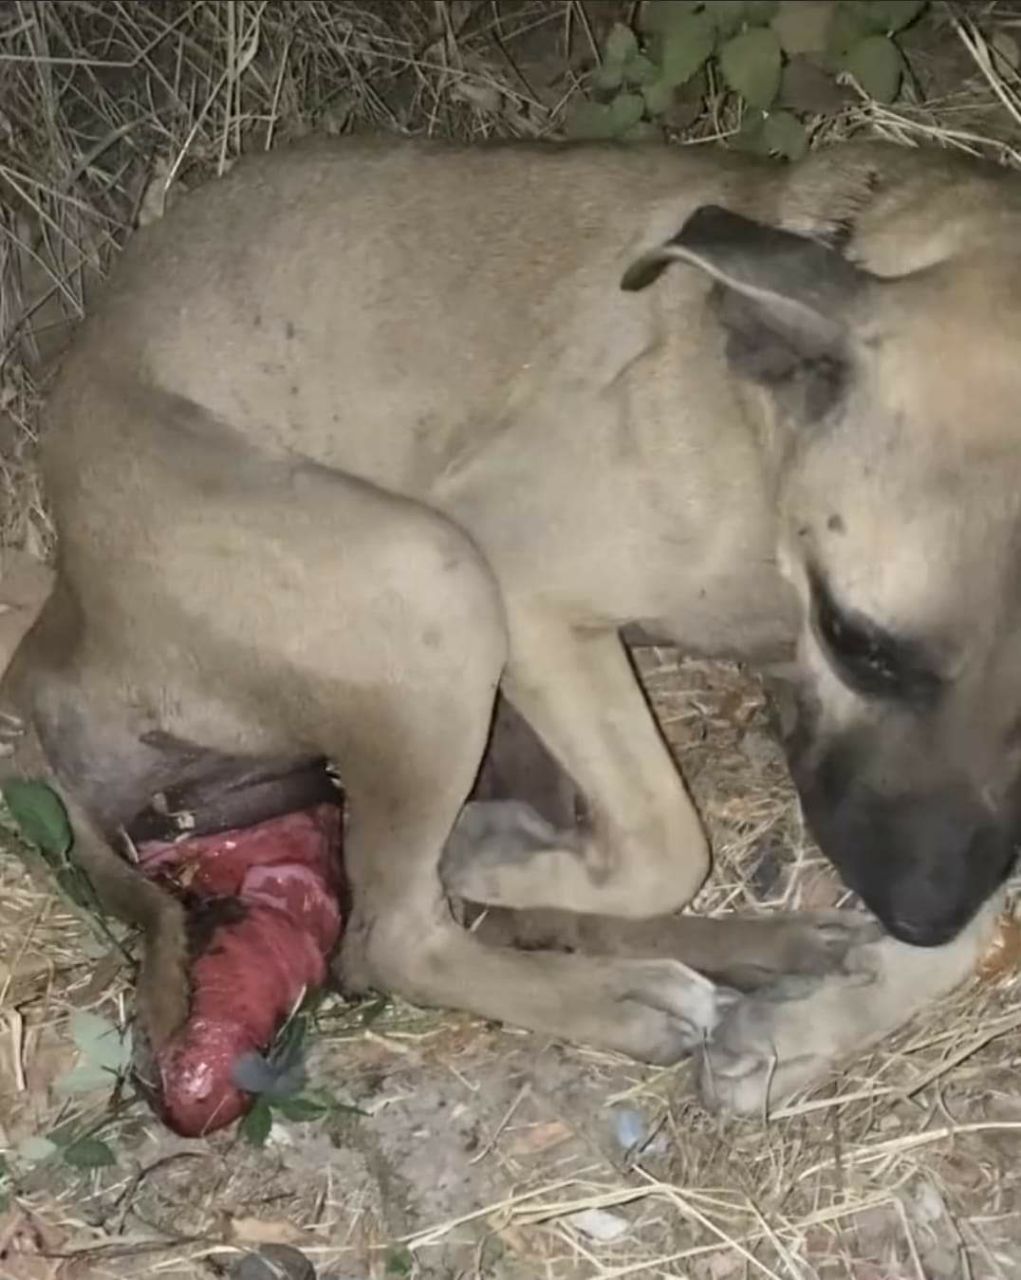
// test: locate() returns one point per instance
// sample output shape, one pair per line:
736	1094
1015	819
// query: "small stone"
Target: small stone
273	1262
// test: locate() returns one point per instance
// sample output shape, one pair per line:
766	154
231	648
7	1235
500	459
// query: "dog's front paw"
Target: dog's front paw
784	1037
826	942
659	1010
762	949
788	1035
750	1060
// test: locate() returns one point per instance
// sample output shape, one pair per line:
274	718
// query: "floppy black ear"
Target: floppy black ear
783	298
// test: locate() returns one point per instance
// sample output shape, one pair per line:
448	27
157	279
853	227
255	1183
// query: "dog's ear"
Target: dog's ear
783	298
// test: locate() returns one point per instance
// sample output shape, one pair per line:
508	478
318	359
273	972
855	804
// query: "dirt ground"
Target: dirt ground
477	1151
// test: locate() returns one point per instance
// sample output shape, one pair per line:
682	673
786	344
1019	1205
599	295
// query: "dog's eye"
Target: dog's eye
854	647
868	658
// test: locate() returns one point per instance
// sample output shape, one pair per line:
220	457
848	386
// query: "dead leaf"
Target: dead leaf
486	98
1003	958
264	1231
537	1137
515	1240
819	891
599	1225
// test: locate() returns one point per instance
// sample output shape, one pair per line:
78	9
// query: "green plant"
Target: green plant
104	1055
779	57
36	816
276	1080
256	1125
77	1147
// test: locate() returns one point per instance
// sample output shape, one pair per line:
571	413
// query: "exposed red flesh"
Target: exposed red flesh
287	873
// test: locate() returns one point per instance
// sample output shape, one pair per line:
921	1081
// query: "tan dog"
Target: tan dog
365	432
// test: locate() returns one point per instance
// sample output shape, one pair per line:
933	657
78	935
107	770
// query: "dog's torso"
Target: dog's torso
447	324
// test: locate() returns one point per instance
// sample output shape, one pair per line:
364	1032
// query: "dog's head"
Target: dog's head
891	412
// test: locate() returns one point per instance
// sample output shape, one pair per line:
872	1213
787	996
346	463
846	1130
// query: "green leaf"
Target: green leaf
349	1109
727	15
751	137
86	1077
301	1109
103	1055
784	134
886	16
659	97
876	64
803	26
255	1127
660	16
621	44
399	1262
288	1044
100	1042
640	70
609	76
327	1105
847	27
686	47
643	131
626	110
589	120
751	65
40	816
36	1149
808	90
88	1153
66	1132
76	885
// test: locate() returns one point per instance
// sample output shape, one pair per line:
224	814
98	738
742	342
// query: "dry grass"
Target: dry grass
903	1168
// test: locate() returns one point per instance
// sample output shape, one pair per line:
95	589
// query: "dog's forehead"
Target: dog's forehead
911	503
944	350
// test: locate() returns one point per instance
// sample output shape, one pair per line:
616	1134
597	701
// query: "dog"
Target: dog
369	436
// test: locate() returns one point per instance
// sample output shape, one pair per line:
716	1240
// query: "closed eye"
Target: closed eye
867	657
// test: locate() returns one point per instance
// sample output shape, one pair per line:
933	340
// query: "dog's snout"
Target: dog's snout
944	854
921	933
922	862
